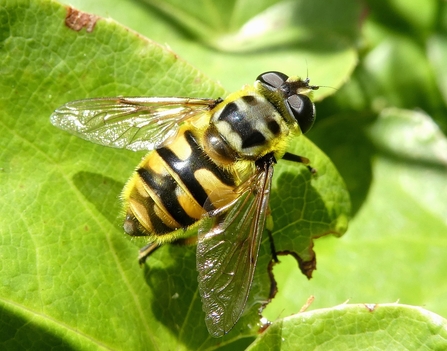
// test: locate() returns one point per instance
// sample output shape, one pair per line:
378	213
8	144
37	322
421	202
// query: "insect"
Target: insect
210	168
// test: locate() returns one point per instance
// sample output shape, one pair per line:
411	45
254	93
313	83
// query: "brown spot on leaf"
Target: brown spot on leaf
264	324
77	20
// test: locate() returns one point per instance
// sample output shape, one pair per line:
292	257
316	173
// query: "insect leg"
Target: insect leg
145	251
300	159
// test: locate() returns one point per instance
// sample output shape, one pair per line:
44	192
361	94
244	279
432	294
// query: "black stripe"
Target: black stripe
249	100
229	112
157	223
165	186
186	169
253	139
273	126
239	123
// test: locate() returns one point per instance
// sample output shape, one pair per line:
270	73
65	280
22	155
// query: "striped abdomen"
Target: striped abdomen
173	187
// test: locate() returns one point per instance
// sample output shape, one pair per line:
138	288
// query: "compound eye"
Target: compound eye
272	79
303	110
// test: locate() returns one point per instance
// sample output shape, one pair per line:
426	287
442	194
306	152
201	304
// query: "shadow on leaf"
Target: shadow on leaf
171	274
103	192
21	334
302	211
344	139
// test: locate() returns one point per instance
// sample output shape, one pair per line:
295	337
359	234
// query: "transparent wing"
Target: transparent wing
227	252
135	123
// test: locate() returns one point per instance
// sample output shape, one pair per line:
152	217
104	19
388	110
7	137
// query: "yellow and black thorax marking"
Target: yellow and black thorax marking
245	126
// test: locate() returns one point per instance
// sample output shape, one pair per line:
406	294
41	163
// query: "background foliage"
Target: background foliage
382	122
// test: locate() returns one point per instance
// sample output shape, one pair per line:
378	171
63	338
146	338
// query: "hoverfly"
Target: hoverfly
210	167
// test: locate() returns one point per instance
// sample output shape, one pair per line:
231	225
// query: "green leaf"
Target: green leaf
328	59
246	25
393	162
70	277
395	246
357	327
393	86
406	16
437	53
